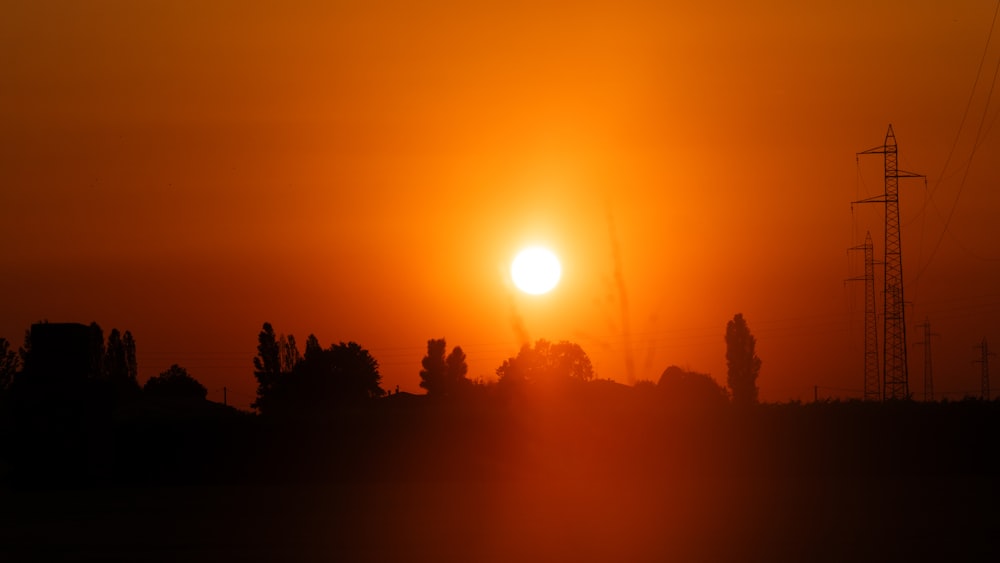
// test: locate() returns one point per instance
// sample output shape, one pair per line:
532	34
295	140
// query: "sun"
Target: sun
535	270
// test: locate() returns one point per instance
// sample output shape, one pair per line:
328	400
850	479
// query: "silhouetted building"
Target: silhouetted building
63	353
61	410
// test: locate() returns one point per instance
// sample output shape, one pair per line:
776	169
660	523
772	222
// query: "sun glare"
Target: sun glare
535	270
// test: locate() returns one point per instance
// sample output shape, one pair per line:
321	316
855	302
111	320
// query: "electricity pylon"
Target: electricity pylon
928	366
984	360
896	383
873	390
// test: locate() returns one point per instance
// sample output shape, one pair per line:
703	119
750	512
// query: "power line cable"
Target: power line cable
975	146
968	103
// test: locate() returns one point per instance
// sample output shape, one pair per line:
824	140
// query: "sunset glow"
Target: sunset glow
441	280
328	166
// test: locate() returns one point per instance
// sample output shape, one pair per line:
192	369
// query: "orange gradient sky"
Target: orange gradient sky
367	170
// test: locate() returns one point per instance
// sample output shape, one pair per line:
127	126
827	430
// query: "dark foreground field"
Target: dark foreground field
510	521
618	482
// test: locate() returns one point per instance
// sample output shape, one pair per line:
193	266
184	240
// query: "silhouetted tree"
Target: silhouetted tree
687	388
277	357
457	369
119	360
358	370
175	382
10	362
443	376
432	377
742	362
288	353
25	350
342	374
546	362
267	367
313	348
114	357
131	364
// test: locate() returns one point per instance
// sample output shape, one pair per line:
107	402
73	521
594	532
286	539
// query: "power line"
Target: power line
975	145
968	103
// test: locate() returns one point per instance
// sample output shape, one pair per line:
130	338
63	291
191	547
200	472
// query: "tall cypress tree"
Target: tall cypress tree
742	362
267	366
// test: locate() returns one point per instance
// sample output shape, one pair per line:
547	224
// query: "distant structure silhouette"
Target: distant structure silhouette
928	364
896	378
873	386
984	362
63	353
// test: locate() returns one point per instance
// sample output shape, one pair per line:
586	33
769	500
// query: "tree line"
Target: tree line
345	373
71	356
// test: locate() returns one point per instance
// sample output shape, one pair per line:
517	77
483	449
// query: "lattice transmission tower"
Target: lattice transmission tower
984	361
895	383
928	365
873	388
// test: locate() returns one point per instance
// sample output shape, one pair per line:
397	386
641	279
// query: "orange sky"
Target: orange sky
366	170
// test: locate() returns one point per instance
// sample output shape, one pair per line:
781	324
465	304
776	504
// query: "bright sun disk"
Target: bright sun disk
535	270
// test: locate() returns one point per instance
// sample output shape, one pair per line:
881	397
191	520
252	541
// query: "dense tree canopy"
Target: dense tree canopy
319	379
546	363
432	376
443	376
277	356
457	369
344	373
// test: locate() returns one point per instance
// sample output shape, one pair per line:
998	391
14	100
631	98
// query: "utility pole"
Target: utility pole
984	360
928	366
896	383
873	389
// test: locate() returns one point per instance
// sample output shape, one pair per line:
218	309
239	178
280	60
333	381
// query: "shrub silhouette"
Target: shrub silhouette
175	382
682	388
